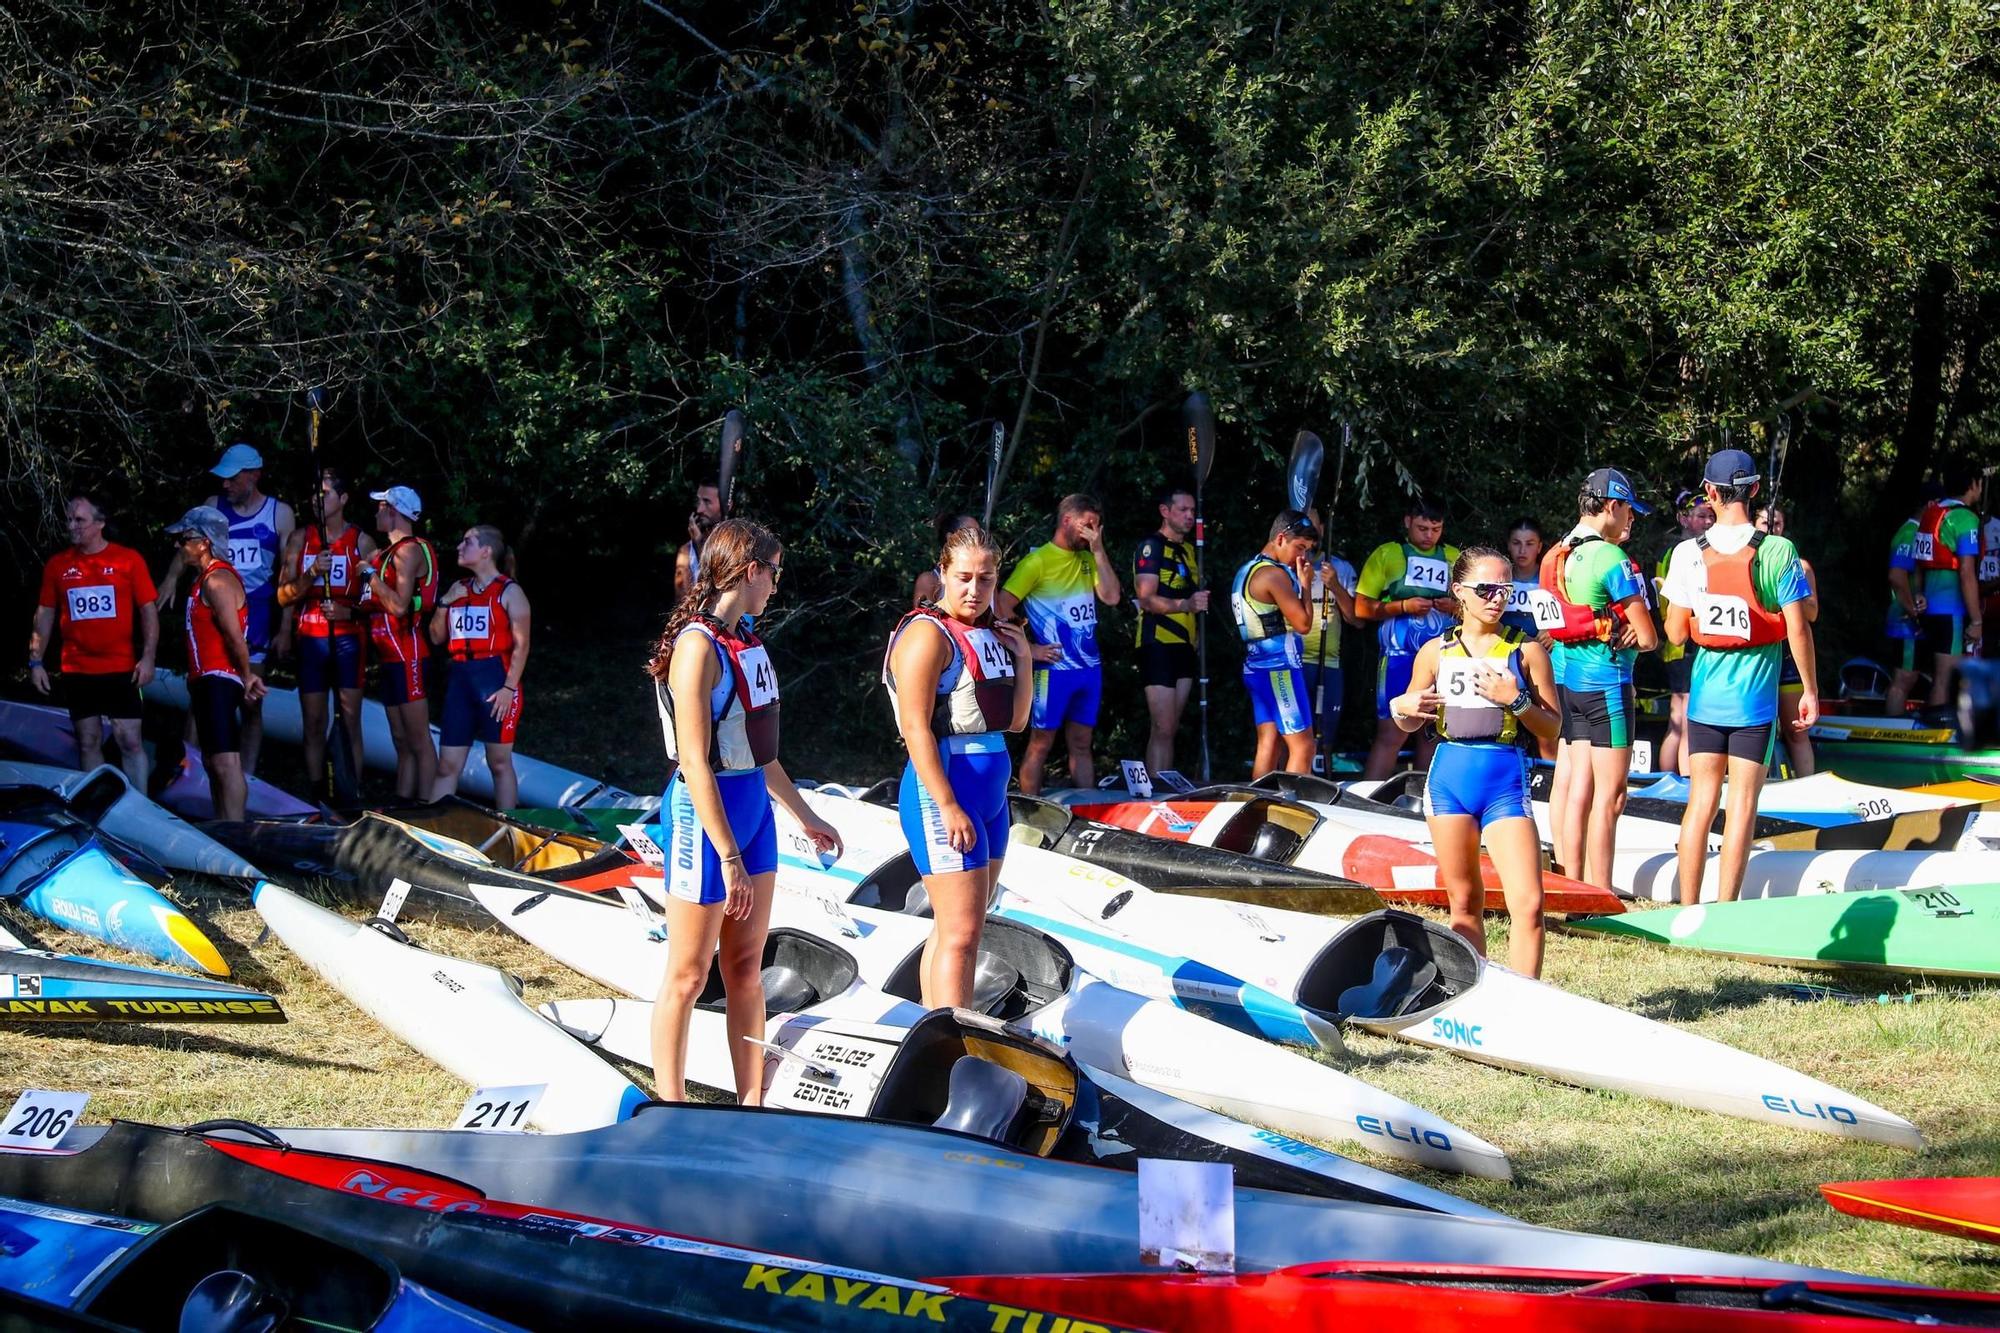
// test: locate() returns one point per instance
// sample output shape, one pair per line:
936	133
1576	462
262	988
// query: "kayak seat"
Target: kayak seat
786	991
1400	978
985	1099
1275	843
993	981
917	902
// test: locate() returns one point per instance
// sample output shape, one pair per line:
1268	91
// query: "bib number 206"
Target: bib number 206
39	1118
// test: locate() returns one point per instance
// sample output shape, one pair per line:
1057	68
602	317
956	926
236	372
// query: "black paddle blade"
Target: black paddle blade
1200	420
998	446
732	459
1302	474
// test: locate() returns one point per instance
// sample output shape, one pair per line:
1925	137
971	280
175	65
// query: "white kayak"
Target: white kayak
1481	1011
132	819
466	1016
1024	978
1767	873
1820	798
542	784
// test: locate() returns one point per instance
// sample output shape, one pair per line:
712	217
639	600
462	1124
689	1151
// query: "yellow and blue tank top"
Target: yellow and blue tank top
1269	642
1468	715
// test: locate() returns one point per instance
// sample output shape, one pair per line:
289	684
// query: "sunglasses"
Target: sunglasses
1486	592
777	570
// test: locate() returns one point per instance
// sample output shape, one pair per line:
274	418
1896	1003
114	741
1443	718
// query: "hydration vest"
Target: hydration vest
1578	623
1728	614
1262	625
1929	548
744	733
208	651
981	700
1468	715
480	625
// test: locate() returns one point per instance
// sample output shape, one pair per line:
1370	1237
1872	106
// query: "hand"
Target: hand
1547	640
254	688
1974	636
694	528
496	707
1047	652
1199	601
958	829
825	837
740	895
1015	638
165	599
142	675
1092	532
1920	602
281	643
1624	636
321	563
40	675
1445	605
1418	704
1808	710
1496	686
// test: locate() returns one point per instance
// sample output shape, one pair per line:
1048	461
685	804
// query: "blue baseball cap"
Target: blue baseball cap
237	458
1731	467
1610	484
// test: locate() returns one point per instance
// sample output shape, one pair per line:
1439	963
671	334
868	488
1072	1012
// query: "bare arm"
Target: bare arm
691	675
1006	606
225	598
294	580
1899	584
919	658
1269	585
1639	621
170	581
1798	633
1109	590
1811	603
149	642
516	603
396	601
1417	707
38	644
440	624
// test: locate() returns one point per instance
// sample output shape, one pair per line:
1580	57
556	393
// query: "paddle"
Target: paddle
1327	610
732	459
1301	489
1774	466
993	471
338	778
1200	422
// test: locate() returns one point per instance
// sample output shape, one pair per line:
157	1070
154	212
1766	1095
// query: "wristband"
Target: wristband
1521	702
34	664
727	859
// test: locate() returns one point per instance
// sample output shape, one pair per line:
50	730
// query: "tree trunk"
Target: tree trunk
1930	341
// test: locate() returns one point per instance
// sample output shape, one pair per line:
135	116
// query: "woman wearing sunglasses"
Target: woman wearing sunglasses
1484	688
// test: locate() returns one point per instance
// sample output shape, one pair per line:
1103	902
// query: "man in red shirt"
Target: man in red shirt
98	592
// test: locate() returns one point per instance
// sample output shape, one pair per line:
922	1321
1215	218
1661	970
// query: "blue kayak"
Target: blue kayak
38	986
58	869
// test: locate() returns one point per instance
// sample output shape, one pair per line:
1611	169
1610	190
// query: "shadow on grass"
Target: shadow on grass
184	1039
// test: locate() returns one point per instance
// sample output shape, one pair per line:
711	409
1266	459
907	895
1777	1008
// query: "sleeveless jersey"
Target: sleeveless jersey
1729	615
1270	643
1931	549
1467	714
253	546
480	625
401	637
975	691
743	707
341	583
208	652
1173	563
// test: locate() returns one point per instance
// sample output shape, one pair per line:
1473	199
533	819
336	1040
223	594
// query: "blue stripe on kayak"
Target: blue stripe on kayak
840	872
94	895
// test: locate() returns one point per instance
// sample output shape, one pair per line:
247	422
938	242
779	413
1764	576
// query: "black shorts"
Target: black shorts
111	695
1167	664
1601	717
1680	673
212	702
1752	743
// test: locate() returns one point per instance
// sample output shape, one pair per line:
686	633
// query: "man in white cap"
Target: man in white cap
259	527
402	589
219	675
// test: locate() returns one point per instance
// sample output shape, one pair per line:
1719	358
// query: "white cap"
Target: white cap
402	498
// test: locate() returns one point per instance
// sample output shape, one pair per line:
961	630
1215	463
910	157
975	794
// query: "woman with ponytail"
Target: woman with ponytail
718	702
958	682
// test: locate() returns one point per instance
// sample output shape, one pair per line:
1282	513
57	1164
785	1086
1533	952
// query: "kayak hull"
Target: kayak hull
1967	1206
67	878
133	820
41	987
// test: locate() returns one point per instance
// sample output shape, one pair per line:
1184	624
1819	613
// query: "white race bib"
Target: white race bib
1989	568
760	682
1547	610
93	603
1722	616
336	571
995	662
1081	612
1519	599
1427	572
471	622
246	552
1923	546
1458	682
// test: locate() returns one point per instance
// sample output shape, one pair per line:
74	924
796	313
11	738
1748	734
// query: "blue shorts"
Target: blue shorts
332	663
1327	709
1066	696
467	715
1392	677
1485	780
399	682
262	610
1278	697
694	869
978	769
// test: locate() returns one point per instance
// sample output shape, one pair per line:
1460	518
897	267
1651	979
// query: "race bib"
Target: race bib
994	661
1520	599
1723	616
471	622
1989	568
336	571
246	552
1081	613
760	681
1458	682
1547	610
1428	573
94	603
1923	546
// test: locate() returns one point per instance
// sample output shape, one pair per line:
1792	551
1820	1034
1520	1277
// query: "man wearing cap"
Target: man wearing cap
219	677
97	590
1696	516
1601	620
400	592
1405	587
259	527
1736	593
1268	600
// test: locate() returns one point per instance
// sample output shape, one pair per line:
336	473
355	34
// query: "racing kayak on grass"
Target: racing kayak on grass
1776	874
1947	932
37	986
1967	1206
104	796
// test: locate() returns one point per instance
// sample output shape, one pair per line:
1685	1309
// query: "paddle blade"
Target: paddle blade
732	459
993	452
1200	421
1302	474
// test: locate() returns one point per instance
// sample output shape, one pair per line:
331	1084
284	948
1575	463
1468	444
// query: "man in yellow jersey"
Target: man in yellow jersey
1405	588
1166	583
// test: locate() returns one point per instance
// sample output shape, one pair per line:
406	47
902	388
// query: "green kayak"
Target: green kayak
1890	763
1940	932
593	821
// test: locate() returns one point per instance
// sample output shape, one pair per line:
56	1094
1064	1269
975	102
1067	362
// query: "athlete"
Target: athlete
1058	586
959	681
1332	606
930	583
99	593
1735	593
1267	598
1696	516
1403	589
1798	744
1947	555
1526	544
1166	584
483	622
219	674
259	527
1906	607
398	593
321	595
1483	688
1602	623
706	514
717	696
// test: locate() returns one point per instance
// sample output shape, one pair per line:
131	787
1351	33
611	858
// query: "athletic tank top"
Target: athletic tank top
1269	642
743	706
480	625
208	652
975	691
340	583
1467	714
253	546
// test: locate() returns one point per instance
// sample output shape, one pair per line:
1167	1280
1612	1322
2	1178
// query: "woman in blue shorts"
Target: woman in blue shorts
718	702
959	681
1484	687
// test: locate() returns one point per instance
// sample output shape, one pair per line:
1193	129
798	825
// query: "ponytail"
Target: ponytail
726	556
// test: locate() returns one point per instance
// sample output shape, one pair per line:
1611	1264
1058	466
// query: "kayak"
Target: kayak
1897	763
1447	996
466	1016
53	865
1416	1298
548	1267
1953	932
37	986
1966	1206
1774	874
541	783
215	1268
903	1199
1821	799
863	965
126	815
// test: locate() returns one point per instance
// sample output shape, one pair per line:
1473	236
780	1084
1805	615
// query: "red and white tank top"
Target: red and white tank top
208	652
341	583
480	625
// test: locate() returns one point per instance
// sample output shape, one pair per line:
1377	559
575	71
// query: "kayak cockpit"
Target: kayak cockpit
1388	965
798	970
968	1072
1018	970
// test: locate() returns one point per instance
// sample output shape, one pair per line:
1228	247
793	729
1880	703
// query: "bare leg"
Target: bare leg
1609	767
1299	751
1265	757
691	935
1896	700
1455	839
227	789
1673	750
1559	799
131	751
451	763
1035	758
506	785
1746	783
1382	754
1163	720
1704	794
89	741
1517	855
1942	674
1082	772
742	960
312	736
350	713
416	746
1798	745
958	911
1573	823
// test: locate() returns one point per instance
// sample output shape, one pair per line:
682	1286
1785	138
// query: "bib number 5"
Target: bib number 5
1458	682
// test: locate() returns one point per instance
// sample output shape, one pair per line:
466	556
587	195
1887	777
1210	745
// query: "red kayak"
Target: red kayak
1966	1206
1415	1298
1290	833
